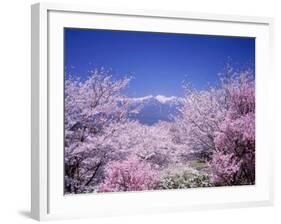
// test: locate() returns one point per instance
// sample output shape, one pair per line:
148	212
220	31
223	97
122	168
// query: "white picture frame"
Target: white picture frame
47	198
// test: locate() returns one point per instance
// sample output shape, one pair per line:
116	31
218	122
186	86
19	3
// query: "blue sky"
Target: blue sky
159	62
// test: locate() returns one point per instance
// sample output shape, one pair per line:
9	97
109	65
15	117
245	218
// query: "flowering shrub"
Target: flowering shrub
181	178
128	175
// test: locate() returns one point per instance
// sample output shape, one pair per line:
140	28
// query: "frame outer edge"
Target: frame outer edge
39	169
39	89
78	8
35	177
272	73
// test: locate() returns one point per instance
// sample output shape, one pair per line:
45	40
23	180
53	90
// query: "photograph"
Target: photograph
154	111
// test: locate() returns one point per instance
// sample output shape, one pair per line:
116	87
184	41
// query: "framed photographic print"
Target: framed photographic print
148	111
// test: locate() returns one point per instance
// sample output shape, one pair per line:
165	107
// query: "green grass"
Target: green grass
198	164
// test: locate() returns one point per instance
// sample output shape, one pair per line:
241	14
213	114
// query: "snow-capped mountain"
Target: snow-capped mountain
155	108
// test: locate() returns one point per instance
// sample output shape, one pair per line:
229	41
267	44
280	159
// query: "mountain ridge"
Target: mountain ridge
160	98
152	109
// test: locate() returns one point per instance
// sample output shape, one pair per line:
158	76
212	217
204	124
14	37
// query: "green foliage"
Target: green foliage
198	164
186	178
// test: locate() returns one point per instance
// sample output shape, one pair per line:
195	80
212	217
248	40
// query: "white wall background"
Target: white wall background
15	110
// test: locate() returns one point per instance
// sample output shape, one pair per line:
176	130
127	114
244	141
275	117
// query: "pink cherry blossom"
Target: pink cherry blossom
128	175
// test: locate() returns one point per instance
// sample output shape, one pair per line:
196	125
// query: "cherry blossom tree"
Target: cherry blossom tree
128	175
94	110
154	145
218	125
233	161
199	120
150	144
